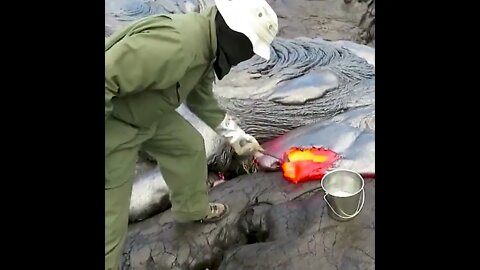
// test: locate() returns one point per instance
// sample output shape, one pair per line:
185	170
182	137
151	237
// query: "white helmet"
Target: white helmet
253	18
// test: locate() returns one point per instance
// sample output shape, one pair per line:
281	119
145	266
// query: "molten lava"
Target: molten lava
307	164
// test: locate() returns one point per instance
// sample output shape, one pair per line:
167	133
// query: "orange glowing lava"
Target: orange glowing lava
307	164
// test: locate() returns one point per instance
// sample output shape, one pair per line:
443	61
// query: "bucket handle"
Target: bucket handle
359	207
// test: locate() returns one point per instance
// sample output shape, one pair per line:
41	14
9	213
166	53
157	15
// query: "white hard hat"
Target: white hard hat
253	18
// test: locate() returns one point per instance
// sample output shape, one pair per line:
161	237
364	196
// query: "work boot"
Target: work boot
217	212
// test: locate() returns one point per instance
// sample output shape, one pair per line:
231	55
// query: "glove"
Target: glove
243	144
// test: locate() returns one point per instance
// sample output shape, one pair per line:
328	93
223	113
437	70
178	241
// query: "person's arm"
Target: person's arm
154	57
202	102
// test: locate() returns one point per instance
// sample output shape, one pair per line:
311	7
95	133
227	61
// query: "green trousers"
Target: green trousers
178	148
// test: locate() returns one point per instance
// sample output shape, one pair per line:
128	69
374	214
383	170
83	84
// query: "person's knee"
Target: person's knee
179	139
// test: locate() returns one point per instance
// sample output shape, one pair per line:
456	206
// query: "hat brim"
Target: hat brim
263	50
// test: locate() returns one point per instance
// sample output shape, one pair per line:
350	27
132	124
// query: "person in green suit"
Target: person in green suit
151	67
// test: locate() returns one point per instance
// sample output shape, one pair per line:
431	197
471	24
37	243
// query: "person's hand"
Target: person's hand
244	144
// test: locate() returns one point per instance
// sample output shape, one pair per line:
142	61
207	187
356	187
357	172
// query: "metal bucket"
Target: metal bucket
344	193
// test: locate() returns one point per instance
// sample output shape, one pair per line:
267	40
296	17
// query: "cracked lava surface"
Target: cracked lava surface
272	224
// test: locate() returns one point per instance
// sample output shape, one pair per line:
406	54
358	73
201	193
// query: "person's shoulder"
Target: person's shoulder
191	25
195	30
190	31
168	28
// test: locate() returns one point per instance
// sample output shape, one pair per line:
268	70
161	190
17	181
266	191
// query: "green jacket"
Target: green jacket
158	62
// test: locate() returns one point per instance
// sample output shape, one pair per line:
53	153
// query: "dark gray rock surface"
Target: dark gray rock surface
272	224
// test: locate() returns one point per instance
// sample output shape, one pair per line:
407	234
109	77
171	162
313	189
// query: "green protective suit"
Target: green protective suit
151	67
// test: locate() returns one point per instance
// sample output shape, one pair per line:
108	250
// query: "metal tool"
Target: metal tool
270	155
